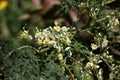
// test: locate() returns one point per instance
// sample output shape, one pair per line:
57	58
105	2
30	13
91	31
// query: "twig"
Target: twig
22	47
71	75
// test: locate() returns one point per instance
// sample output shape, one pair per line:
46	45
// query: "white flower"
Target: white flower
94	46
67	41
30	37
96	66
89	64
116	21
46	41
58	49
51	43
92	65
37	35
56	22
99	34
104	43
25	35
39	42
65	28
60	56
67	48
57	28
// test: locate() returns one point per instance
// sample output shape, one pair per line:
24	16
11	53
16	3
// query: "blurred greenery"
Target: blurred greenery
11	16
96	38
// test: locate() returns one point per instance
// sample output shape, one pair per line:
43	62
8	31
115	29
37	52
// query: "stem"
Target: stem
106	62
22	47
45	49
110	1
71	75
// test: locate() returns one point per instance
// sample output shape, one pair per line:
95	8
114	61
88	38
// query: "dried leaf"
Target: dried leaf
50	3
24	17
74	15
37	4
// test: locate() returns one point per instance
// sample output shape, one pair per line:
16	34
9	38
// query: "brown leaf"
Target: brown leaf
50	3
74	15
24	17
37	4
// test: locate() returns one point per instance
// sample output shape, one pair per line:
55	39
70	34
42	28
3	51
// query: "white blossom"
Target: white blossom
94	46
60	56
104	43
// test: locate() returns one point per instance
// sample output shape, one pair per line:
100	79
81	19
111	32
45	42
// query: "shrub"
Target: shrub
88	51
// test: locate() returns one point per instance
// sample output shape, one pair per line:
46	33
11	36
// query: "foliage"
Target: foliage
24	65
68	5
87	51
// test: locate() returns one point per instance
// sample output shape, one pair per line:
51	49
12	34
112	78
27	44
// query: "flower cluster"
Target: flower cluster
101	42
50	36
106	56
115	72
25	34
113	23
55	37
94	60
91	65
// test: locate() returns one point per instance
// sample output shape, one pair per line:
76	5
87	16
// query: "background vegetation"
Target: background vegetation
59	40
